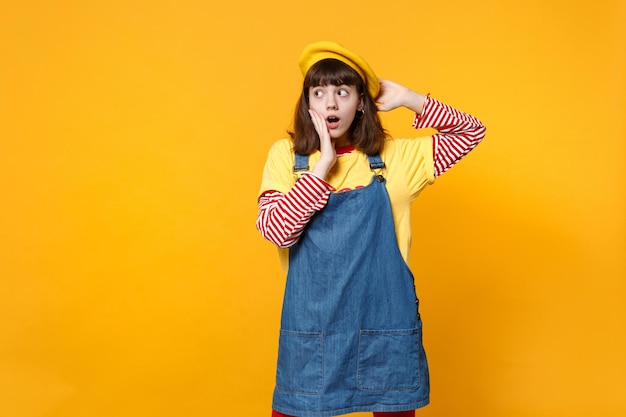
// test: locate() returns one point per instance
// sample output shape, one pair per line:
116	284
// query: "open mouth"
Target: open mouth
332	122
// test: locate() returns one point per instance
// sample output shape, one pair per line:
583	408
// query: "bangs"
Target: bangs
332	72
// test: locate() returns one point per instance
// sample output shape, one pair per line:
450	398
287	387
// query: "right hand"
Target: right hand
327	146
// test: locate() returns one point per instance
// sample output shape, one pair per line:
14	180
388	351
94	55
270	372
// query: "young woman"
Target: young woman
336	199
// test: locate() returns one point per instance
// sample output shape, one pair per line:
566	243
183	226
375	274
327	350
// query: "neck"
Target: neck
342	141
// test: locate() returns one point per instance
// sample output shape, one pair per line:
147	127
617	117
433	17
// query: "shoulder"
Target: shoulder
281	152
413	158
278	171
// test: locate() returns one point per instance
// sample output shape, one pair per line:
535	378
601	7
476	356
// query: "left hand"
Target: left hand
393	95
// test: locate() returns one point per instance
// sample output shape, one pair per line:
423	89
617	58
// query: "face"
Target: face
338	106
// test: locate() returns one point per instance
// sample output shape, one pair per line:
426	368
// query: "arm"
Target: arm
457	132
282	217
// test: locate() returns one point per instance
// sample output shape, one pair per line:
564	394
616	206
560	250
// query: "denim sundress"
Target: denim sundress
351	334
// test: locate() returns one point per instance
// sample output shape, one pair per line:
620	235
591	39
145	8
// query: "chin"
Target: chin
337	135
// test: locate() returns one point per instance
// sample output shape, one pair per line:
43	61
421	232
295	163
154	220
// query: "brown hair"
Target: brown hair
366	132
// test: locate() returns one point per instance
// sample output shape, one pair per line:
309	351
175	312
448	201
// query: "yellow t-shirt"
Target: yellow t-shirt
409	168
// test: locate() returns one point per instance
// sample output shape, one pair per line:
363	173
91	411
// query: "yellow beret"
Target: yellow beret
318	51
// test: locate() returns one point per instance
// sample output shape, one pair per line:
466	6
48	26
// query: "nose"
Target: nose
331	104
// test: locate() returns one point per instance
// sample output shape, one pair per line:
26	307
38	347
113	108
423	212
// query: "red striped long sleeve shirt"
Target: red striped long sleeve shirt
283	217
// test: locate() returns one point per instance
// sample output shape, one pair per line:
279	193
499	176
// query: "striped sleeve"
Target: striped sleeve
457	133
282	217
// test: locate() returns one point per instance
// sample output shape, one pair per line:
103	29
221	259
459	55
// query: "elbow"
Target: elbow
282	243
286	244
481	133
277	239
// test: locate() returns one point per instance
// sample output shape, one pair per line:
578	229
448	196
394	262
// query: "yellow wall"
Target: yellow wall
132	138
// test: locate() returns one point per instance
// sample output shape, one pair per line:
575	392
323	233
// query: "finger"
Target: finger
383	88
315	118
320	126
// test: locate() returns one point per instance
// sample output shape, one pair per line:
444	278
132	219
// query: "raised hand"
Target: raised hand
393	95
327	146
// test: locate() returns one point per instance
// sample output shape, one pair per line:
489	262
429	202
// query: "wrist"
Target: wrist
322	168
415	101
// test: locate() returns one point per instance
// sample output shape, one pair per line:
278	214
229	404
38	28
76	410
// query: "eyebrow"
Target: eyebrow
326	85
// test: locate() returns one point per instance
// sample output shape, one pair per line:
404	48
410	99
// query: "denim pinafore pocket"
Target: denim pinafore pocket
300	362
389	359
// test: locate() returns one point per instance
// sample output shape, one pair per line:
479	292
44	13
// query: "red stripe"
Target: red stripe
458	133
282	217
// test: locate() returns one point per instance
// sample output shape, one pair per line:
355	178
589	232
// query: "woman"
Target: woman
336	198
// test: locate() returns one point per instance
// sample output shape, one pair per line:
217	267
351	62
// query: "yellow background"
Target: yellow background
132	139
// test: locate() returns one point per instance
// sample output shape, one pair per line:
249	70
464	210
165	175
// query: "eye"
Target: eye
317	93
342	93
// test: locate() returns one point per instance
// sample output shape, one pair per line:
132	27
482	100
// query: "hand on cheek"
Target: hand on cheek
327	146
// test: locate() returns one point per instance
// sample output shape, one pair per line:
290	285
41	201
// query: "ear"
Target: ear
361	105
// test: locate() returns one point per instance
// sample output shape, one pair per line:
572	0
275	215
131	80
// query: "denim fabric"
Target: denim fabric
351	335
